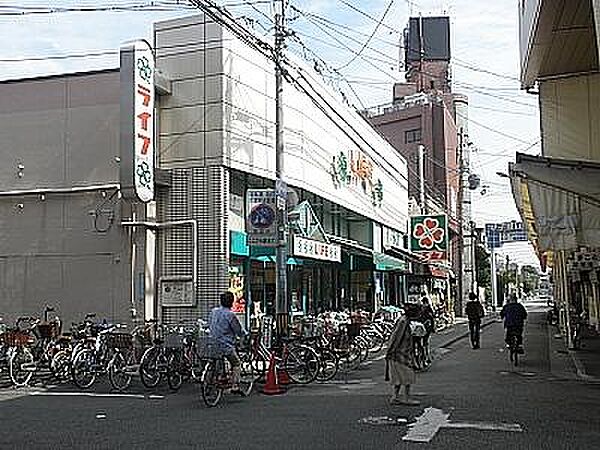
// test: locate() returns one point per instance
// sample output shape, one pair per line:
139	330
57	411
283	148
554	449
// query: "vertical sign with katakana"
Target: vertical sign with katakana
429	235
261	217
144	121
137	121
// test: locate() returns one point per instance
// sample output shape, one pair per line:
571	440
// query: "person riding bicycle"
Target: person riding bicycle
514	315
474	311
224	329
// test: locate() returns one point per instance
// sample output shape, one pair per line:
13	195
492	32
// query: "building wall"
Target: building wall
191	146
65	249
394	126
570	117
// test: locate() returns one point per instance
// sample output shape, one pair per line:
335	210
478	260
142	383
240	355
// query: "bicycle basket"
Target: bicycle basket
208	347
417	328
48	330
16	338
353	329
173	340
119	340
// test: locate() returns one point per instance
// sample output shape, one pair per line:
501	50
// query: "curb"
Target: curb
455	339
580	368
580	373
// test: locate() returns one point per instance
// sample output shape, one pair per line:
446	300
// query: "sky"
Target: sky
485	60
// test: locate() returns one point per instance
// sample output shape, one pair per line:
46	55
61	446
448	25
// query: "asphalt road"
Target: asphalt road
470	399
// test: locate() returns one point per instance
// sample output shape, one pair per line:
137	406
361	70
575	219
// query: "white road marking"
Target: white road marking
382	420
89	394
429	423
426	425
510	427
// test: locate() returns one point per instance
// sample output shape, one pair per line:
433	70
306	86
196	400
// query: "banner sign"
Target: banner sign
137	121
429	234
354	169
309	248
261	220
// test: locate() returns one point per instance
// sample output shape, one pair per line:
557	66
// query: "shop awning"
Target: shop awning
385	262
559	201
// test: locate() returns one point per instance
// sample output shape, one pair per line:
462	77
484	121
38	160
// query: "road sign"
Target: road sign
261	220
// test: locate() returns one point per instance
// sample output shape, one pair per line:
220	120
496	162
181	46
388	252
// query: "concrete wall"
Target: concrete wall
189	51
65	249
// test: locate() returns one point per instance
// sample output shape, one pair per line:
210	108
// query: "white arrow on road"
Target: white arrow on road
429	423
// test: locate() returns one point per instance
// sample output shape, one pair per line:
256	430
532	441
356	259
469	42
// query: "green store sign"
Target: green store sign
429	233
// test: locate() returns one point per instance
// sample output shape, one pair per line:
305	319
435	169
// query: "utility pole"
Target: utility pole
473	248
493	279
422	178
281	304
507	279
458	305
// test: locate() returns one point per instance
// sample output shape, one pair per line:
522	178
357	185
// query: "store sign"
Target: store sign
261	221
144	121
392	238
308	248
354	169
429	234
137	121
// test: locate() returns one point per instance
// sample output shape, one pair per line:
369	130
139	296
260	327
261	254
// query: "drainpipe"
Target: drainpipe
174	224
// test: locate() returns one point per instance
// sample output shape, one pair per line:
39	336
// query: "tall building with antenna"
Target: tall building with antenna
427	123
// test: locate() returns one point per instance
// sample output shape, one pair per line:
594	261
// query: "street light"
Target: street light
502	175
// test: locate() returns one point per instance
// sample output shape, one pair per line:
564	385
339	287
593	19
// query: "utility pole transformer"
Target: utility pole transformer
281	304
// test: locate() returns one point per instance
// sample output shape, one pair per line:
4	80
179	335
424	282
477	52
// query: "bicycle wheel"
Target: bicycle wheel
60	366
21	366
363	345
175	369
212	391
83	369
260	365
247	374
328	365
150	373
350	359
119	377
302	364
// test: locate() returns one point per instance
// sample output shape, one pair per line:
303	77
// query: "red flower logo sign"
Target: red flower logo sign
429	233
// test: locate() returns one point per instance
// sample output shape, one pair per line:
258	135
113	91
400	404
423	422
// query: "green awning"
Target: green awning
385	262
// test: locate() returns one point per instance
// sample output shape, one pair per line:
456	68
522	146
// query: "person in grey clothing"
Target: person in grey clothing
224	329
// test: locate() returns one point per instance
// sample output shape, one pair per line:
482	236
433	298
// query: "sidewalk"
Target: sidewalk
583	364
587	359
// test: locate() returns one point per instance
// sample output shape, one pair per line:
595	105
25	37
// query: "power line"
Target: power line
387	9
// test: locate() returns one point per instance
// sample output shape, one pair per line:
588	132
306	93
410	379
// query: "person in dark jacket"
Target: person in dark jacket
474	311
514	315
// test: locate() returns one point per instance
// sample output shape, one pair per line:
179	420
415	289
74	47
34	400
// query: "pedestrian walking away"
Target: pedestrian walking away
427	318
475	313
398	359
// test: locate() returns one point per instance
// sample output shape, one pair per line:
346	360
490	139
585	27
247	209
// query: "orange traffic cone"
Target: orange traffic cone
272	387
283	378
